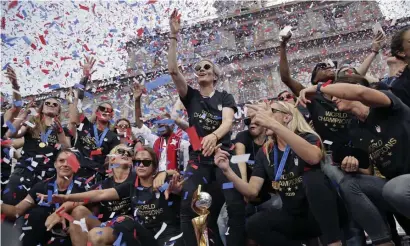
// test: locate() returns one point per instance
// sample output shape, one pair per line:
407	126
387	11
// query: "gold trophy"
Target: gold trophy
201	201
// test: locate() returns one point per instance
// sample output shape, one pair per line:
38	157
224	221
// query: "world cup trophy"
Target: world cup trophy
201	201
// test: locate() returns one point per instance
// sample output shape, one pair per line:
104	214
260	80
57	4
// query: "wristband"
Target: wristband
319	85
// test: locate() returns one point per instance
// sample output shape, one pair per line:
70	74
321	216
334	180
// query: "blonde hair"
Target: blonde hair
298	125
113	151
39	122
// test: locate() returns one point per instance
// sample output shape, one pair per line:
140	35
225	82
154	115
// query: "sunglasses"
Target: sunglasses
199	67
247	121
123	126
124	152
274	110
104	109
145	163
287	97
49	104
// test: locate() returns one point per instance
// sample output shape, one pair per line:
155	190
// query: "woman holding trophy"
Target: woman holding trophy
211	114
289	163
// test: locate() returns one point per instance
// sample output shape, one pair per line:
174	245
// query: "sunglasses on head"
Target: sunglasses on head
104	109
247	121
206	67
274	110
49	104
145	163
286	97
124	152
123	126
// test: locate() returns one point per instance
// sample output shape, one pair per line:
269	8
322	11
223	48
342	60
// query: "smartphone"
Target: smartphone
285	32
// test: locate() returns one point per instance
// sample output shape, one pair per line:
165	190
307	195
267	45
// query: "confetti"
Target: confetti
240	158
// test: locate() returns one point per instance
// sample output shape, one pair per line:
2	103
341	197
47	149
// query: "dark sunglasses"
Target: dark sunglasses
247	121
145	163
287	97
49	104
274	110
199	67
124	152
104	109
123	126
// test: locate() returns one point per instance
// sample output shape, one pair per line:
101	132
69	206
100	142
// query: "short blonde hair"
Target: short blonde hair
215	68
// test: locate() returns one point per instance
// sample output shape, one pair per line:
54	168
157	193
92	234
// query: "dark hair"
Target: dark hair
396	44
316	68
352	79
153	155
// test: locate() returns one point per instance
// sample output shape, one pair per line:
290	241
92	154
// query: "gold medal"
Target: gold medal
42	145
275	185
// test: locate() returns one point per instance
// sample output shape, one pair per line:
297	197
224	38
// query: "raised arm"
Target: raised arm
376	46
12	113
137	104
285	76
177	77
89	196
74	118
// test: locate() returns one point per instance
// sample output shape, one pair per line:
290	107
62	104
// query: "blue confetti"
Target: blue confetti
170	203
251	162
164	187
54	87
18	103
5	66
87	94
165	122
227	186
205	181
10	126
49	196
113	30
79	86
6	190
28	42
162	80
135	19
185	195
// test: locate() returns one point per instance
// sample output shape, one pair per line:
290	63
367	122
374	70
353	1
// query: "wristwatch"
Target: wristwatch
319	85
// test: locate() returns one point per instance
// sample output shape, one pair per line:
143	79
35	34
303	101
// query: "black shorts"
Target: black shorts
132	232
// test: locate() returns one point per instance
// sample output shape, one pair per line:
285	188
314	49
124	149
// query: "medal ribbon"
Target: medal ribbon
277	172
44	136
99	139
70	187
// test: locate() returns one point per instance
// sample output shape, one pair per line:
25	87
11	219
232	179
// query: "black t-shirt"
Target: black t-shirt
331	125
291	186
86	143
111	209
44	187
4	127
401	86
305	112
150	208
37	158
389	146
205	113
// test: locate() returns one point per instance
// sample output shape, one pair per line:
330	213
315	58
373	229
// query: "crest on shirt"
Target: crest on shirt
378	129
220	107
296	161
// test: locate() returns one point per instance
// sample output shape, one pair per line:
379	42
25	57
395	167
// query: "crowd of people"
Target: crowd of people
318	165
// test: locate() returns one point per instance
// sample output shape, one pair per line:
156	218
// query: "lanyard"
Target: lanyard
44	136
70	187
277	172
99	139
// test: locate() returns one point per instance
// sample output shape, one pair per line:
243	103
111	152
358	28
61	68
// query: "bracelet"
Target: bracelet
173	38
319	85
377	52
217	138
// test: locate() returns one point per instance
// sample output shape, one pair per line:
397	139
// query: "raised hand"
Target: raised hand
57	127
88	66
305	94
11	75
138	89
175	186
378	41
175	22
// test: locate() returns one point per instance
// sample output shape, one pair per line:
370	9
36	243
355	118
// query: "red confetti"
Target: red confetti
49	63
46	85
194	42
86	47
194	166
43	41
63	58
13	4
73	162
140	32
193	138
33	46
82	117
84	7
152	1
136	182
45	71
67	216
6	142
27	62
89	179
96	152
3	23
20	16
94	8
3	216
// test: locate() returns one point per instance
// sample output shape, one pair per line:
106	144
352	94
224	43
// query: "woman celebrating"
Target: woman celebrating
210	114
387	118
43	137
42	217
151	208
289	163
123	128
120	163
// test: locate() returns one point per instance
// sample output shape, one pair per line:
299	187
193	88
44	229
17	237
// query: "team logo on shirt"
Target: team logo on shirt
378	129
220	107
296	161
